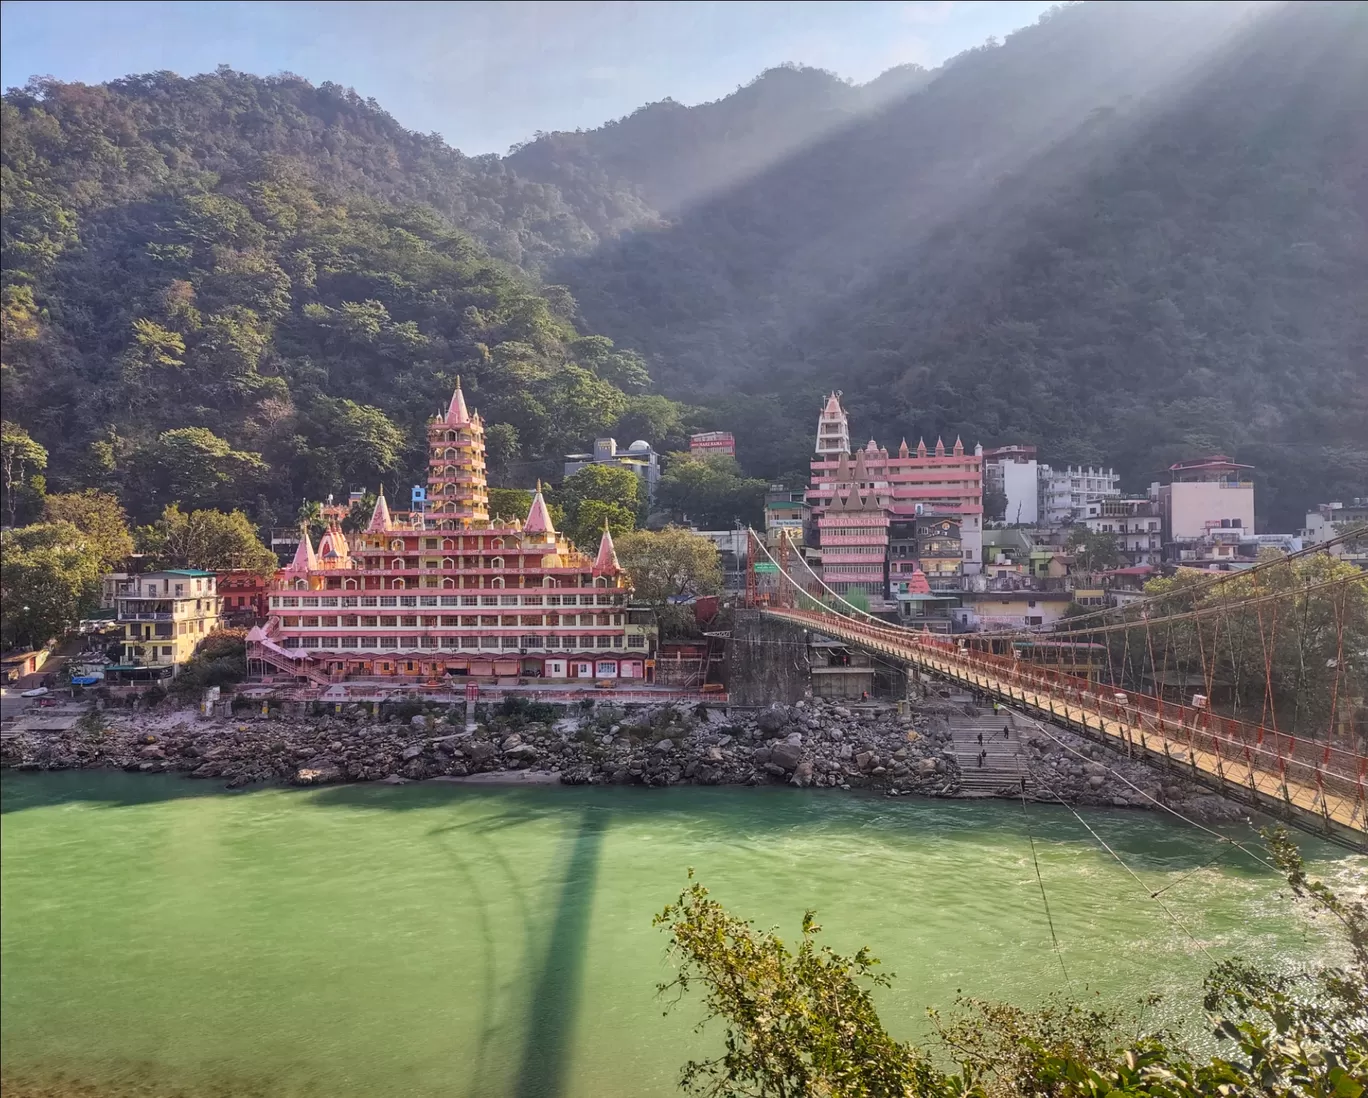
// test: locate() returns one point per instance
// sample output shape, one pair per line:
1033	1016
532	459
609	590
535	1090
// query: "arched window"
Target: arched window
396	564
549	581
349	585
447	562
450	454
448	582
496	562
398	585
449	471
448	543
497	581
451	436
398	544
599	581
301	585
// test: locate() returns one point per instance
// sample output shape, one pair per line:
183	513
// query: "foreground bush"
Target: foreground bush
802	1022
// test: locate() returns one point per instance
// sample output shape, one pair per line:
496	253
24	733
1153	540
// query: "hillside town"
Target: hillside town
447	597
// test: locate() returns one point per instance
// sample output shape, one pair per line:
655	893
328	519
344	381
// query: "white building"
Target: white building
1134	522
1014	471
833	429
639	458
1064	493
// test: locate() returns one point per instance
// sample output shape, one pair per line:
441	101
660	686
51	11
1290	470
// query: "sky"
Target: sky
488	75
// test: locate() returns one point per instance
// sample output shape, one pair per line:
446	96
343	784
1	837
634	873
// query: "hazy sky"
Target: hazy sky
485	75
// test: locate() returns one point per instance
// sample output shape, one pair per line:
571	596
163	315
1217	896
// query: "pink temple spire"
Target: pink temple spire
538	517
456	415
606	563
304	559
380	517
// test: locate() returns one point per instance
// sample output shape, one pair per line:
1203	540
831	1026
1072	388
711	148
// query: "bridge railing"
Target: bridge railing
1270	761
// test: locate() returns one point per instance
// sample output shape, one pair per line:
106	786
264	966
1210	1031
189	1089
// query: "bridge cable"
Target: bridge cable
1138	880
1157	803
1217	580
1043	898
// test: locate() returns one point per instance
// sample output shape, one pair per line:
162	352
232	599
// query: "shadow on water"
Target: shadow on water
1152	839
543	1072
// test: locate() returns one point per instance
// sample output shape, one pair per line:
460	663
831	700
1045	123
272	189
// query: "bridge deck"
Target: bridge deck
1319	788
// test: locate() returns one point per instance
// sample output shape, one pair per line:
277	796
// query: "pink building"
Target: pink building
905	485
452	592
853	528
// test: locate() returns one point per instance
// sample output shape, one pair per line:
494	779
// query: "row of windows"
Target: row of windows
554	644
471	621
346	601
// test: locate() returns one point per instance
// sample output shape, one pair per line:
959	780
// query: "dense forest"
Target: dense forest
1128	234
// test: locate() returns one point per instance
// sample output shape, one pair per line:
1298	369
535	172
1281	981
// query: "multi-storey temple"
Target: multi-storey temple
448	591
855	497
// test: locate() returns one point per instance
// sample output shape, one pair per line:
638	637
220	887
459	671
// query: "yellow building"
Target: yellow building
162	617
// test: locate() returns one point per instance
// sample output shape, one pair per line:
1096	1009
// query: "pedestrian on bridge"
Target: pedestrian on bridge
980	739
1006	733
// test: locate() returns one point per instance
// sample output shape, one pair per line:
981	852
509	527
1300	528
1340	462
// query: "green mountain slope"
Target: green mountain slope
198	275
1129	234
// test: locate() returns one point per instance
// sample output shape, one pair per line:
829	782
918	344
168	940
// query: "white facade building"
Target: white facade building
1014	471
1065	493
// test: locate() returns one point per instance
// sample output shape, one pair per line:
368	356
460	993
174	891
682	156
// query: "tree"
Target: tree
510	503
605	483
100	517
1093	552
501	449
994	504
710	491
210	540
49	581
590	518
802	1022
670	563
192	465
22	462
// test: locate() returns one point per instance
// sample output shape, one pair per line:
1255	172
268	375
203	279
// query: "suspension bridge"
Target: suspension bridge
1313	778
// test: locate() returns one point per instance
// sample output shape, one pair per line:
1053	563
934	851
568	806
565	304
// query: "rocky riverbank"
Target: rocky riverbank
808	744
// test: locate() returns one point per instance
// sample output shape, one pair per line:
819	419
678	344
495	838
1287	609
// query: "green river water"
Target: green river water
162	937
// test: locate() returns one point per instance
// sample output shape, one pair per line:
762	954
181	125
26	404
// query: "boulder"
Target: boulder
480	751
863	759
1096	781
786	755
926	767
794	739
522	751
412	752
802	775
665	745
318	772
771	721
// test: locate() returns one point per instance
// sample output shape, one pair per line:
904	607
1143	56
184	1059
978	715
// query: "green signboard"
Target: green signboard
766	567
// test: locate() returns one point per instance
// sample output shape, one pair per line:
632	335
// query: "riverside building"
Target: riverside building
448	593
854	498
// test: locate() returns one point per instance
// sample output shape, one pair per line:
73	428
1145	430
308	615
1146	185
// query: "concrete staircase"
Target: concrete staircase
1002	769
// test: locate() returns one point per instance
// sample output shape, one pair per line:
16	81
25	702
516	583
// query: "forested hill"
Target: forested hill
221	291
1129	234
